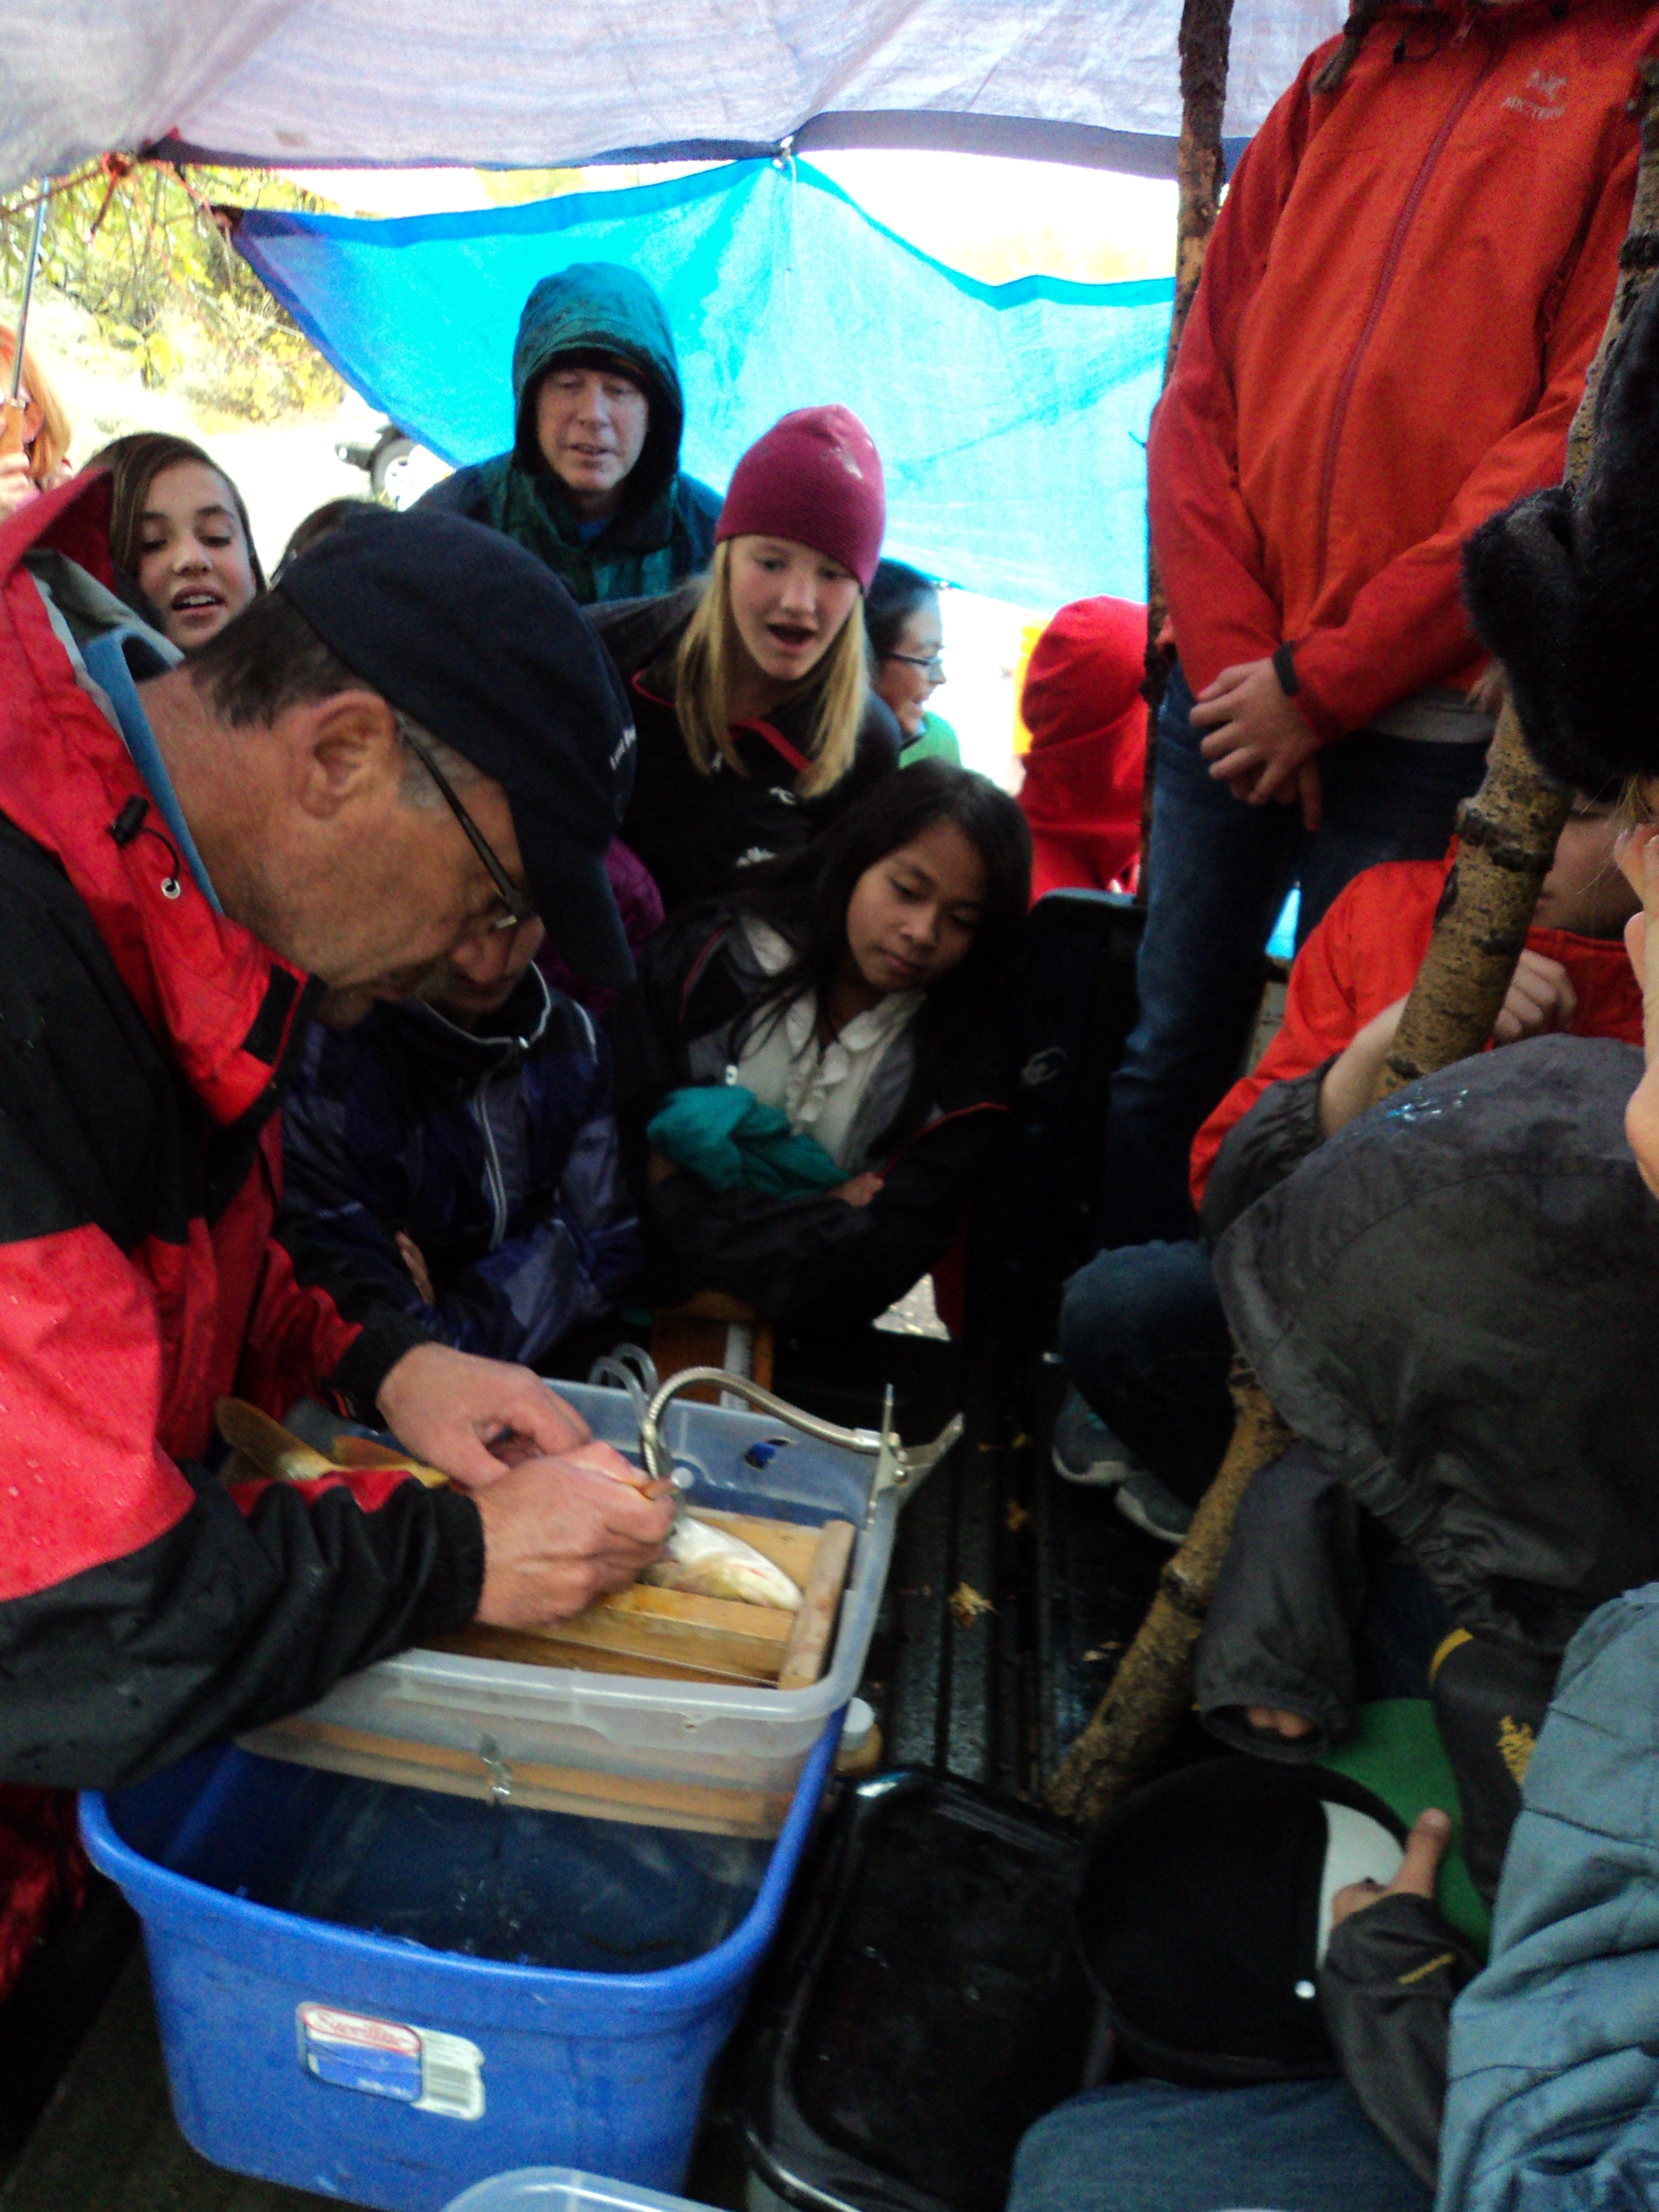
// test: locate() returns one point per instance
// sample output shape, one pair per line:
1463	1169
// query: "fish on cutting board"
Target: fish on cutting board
703	1560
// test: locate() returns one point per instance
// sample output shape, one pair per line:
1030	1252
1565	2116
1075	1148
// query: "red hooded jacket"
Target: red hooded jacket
1365	953
1081	702
143	1041
1404	286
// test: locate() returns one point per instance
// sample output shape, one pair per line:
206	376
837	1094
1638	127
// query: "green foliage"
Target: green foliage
165	286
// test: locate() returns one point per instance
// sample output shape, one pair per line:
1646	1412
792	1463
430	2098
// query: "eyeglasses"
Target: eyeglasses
518	909
935	666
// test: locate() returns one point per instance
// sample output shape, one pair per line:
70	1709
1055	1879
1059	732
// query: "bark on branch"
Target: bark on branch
1152	1686
1206	35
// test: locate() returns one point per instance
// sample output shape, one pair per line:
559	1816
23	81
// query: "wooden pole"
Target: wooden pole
1507	835
1204	36
1153	1686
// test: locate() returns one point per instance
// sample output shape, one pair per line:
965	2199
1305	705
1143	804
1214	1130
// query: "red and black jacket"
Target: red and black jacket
804	1262
143	1044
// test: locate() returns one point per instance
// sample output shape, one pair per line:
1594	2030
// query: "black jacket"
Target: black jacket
694	831
1265	1146
1453	1302
494	1149
802	1261
1386	1989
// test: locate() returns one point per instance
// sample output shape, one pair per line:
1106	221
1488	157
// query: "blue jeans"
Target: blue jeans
1219	871
1150	2146
1143	1336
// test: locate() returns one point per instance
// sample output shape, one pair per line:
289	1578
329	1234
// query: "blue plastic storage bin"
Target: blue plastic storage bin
387	2073
558	2189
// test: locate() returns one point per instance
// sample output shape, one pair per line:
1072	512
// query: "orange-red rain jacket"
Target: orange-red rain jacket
1365	954
1406	284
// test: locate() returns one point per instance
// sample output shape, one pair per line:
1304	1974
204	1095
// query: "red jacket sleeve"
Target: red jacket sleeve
1407	629
1207	549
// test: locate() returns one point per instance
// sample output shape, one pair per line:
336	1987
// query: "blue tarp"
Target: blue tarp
1011	418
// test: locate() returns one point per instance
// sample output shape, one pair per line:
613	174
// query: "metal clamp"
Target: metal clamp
897	1469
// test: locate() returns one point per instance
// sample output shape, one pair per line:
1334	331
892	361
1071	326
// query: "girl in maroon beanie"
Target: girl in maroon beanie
751	687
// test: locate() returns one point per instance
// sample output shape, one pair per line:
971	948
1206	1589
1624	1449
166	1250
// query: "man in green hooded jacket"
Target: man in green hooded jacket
592	484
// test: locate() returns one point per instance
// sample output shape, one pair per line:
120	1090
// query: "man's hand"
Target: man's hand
473	1419
1277	1720
1419	1869
17	486
1351	1079
559	1532
860	1191
1541	998
1259	744
414	1259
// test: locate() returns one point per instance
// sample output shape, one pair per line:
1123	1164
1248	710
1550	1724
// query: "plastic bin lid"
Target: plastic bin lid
561	2189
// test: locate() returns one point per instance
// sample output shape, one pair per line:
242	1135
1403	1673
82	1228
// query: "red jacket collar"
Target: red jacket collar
223	1005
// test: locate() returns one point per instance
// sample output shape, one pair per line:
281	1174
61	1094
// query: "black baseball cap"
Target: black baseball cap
479	642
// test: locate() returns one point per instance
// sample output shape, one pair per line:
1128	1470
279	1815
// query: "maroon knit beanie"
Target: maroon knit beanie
815	478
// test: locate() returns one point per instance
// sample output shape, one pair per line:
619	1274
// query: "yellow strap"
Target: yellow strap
1446	1647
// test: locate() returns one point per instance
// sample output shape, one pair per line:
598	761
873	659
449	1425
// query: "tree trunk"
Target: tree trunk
1206	33
1507	835
1154	1685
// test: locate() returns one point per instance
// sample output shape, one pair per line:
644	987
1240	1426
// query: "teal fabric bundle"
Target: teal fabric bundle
722	1134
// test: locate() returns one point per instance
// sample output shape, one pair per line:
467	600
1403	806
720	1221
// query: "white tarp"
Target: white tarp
541	83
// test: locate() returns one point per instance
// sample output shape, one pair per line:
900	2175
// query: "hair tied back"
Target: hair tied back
1331	77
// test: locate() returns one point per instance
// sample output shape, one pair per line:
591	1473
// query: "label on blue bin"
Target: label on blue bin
417	2066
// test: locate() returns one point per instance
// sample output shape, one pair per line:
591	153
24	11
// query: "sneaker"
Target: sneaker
1085	1450
1144	1500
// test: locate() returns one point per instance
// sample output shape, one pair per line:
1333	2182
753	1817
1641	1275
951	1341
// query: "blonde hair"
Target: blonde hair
53	431
702	681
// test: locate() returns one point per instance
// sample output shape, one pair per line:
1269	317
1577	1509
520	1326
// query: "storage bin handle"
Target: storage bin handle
897	1469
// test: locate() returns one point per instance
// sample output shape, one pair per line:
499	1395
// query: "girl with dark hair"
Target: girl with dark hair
903	621
810	1072
179	530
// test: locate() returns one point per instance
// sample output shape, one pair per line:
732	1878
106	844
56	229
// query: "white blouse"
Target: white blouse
817	1086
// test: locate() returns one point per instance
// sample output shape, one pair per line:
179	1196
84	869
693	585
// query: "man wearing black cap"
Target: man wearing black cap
411	742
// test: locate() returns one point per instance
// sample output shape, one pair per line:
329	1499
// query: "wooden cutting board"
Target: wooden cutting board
680	1638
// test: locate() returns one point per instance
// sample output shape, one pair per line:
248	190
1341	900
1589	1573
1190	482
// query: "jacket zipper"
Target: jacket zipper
493	1177
1384	282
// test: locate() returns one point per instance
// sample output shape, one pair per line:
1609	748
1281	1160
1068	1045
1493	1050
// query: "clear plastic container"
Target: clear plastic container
560	2188
685	1754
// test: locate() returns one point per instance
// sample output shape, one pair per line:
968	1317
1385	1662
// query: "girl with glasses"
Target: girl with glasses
907	640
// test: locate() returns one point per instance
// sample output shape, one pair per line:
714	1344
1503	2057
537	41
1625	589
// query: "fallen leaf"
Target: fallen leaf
1015	1517
967	1605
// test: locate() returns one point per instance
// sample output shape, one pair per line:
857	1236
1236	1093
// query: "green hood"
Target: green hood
599	306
